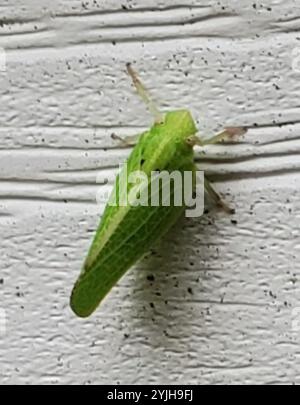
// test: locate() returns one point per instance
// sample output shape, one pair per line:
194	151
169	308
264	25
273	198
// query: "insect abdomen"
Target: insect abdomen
140	228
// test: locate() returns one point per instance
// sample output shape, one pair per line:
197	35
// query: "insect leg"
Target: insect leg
216	197
143	93
131	140
227	134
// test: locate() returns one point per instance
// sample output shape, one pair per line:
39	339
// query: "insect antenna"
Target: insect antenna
143	93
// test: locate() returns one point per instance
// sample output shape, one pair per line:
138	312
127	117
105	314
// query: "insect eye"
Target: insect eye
190	141
160	122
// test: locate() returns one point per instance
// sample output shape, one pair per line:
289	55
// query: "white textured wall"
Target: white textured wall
224	306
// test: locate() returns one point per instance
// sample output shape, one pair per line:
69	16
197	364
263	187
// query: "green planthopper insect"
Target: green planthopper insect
127	231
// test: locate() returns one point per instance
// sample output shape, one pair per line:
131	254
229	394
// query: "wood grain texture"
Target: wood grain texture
224	303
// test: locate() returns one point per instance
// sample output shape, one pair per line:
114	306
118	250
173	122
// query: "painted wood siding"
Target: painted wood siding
224	306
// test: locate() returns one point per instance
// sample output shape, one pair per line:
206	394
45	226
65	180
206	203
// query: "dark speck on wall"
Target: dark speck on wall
150	278
272	295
